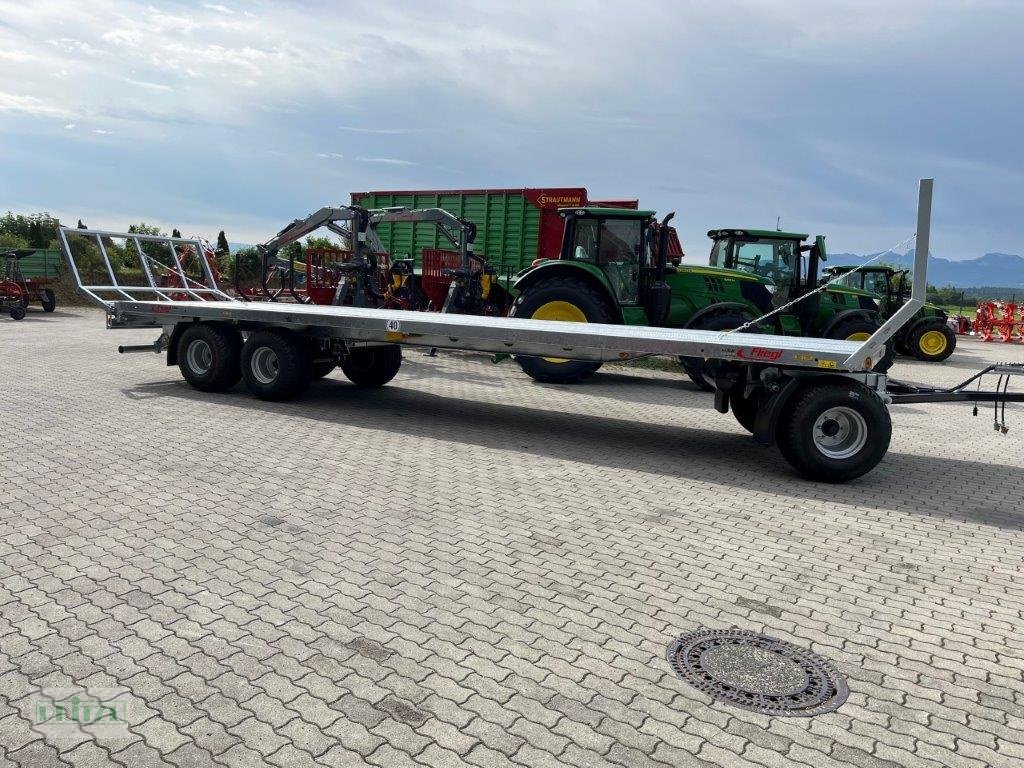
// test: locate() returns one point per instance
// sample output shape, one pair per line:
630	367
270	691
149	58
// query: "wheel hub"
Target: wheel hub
200	356
840	432
933	342
265	365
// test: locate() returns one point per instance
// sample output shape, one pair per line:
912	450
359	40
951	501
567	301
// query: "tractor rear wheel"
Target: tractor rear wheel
275	365
371	367
208	357
835	431
860	329
721	321
48	299
932	342
561	299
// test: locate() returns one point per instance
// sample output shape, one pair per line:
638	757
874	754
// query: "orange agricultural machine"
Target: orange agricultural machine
999	321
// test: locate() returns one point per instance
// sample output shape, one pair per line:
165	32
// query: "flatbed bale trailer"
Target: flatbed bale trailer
816	399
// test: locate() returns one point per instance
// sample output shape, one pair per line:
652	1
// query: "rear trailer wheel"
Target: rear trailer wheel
835	432
860	329
276	365
208	357
696	367
932	342
371	367
562	299
48	299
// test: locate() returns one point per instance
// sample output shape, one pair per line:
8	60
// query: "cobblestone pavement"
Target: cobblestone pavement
469	568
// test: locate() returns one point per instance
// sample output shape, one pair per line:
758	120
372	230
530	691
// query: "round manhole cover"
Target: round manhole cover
758	672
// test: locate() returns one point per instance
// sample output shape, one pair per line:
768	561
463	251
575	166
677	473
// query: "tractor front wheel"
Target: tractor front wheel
723	321
17	312
562	299
835	431
860	329
932	342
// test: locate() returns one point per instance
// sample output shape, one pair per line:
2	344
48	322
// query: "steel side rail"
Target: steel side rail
874	346
577	341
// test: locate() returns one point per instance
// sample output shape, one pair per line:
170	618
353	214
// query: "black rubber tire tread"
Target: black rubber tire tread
579	292
795	431
49	300
863	325
226	346
17	312
293	365
744	408
371	367
915	342
719	321
321	369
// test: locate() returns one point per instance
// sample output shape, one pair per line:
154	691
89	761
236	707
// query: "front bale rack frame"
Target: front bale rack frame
816	399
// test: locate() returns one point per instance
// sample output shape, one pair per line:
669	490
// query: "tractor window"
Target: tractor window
620	251
774	259
876	282
585	247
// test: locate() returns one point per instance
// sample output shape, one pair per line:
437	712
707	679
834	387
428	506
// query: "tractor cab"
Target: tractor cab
891	286
782	259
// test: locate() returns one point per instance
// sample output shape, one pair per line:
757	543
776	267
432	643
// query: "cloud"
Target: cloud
69	127
330	155
101	132
29	105
218	8
385	131
385	160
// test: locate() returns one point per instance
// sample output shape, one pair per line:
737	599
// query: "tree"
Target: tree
176	233
222	243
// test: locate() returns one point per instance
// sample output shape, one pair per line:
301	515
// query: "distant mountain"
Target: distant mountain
993	269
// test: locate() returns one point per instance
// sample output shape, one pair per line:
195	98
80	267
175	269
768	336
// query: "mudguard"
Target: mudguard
714	309
842	317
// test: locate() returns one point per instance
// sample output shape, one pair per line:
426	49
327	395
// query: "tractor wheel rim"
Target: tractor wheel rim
559	312
265	365
200	357
859	336
840	432
932	342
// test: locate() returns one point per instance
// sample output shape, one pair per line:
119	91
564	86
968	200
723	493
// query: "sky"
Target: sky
245	115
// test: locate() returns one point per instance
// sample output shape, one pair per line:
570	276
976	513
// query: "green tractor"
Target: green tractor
613	269
926	336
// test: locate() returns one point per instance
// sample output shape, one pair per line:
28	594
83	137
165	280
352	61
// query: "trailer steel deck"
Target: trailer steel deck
577	341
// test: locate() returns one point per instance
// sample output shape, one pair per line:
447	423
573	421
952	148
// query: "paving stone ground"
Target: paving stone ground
468	568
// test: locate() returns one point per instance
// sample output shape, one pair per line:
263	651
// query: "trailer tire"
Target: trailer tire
276	365
720	321
17	312
561	298
319	370
859	329
48	299
932	342
834	432
371	367
744	408
208	357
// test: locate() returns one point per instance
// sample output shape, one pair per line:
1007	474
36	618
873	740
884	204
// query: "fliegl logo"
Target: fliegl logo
759	354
